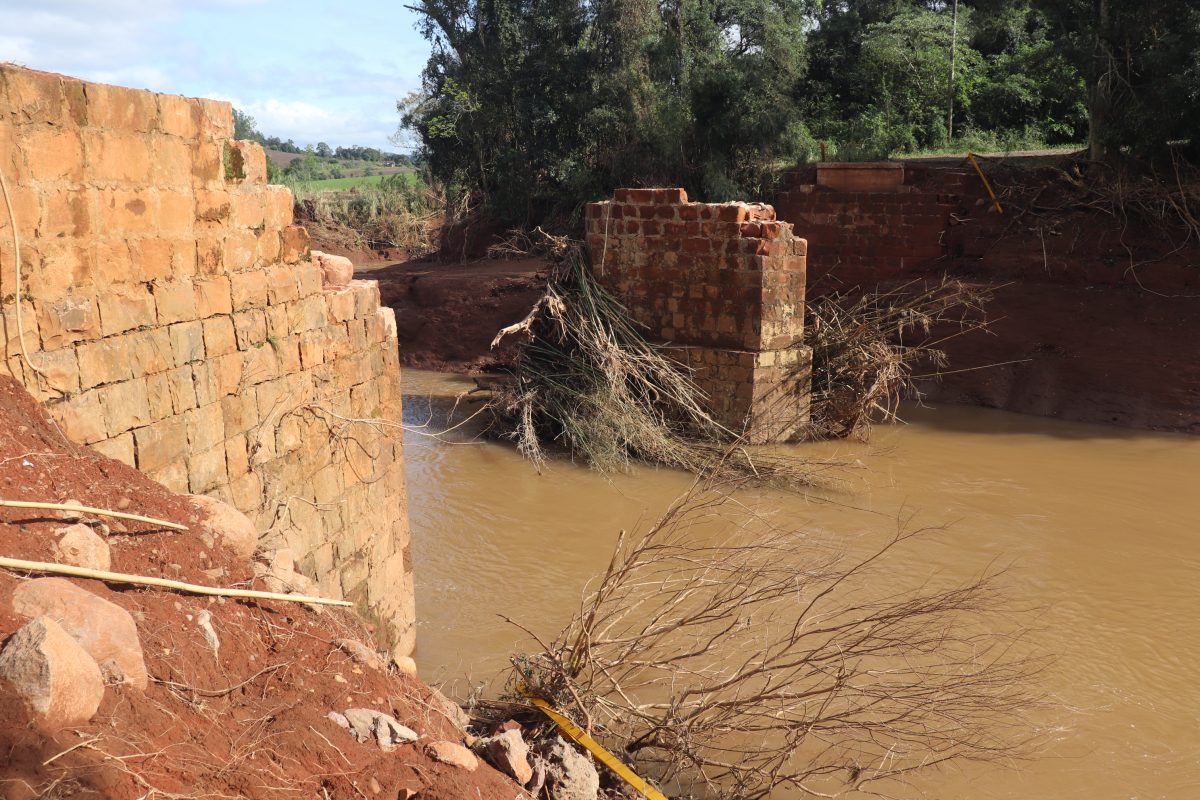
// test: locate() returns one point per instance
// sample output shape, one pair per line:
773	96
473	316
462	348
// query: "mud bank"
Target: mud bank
448	314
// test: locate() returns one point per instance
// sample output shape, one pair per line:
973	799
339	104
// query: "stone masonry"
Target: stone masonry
723	284
175	321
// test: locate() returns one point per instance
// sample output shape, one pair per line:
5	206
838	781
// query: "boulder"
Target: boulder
105	630
359	652
221	523
569	774
47	667
449	709
337	271
507	752
80	546
367	724
453	754
281	576
403	661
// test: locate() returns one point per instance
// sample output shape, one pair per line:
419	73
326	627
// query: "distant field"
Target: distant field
339	184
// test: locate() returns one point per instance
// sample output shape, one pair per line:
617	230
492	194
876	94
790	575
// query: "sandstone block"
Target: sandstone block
219	336
126	406
508	752
126	309
178	116
149	352
82	418
161	444
213	297
206	470
56	676
105	630
223	524
68	320
80	546
54	153
121	109
336	271
187	342
293	244
453	754
249	289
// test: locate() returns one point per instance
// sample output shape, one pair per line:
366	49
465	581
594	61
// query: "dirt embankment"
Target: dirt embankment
249	717
1096	316
448	314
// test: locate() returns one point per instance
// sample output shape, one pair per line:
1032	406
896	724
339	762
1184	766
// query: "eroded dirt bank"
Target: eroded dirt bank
243	713
448	314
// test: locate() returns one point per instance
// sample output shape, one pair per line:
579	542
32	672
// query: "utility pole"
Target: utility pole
953	52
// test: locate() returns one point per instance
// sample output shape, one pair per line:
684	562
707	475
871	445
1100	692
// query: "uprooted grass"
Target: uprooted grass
867	345
588	383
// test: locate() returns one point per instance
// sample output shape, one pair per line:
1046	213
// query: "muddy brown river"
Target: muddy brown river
1100	527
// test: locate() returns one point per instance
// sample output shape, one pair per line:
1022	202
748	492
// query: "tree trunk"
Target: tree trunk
1099	88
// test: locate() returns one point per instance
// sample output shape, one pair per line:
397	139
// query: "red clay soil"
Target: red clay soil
249	722
448	314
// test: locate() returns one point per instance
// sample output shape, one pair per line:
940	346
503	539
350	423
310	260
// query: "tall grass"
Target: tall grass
395	212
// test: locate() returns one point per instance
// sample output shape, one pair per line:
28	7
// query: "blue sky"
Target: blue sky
305	70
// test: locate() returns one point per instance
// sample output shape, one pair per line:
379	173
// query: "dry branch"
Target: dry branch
163	583
100	512
735	659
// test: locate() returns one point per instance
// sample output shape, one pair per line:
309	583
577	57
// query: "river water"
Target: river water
1098	527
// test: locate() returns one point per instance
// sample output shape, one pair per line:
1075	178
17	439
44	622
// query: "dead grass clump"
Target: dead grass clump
732	658
866	345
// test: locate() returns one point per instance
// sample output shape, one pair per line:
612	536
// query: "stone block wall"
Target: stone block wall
865	230
173	319
723	284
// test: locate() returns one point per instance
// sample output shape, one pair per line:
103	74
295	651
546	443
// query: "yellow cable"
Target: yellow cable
603	756
986	185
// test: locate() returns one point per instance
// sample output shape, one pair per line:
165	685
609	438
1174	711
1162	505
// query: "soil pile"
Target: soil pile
244	698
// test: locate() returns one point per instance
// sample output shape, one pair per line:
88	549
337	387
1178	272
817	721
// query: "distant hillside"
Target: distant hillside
282	159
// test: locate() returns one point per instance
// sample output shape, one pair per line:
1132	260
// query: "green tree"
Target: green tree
244	127
324	150
538	105
1141	66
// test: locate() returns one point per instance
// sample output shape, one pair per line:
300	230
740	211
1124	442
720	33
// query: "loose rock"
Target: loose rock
80	546
47	667
105	630
221	523
367	724
569	773
508	753
453	754
404	663
359	652
449	709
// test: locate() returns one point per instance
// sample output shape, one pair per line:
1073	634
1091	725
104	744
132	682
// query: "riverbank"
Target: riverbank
120	691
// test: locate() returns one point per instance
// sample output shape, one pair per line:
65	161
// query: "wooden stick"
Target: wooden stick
144	580
162	523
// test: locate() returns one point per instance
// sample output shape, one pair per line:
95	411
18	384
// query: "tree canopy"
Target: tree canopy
535	106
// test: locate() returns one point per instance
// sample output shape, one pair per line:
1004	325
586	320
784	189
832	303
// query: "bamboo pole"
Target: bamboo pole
145	580
162	523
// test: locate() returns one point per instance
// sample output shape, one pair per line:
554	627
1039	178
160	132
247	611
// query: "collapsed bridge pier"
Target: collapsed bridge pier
722	285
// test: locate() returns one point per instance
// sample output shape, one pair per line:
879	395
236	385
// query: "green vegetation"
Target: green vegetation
339	184
389	211
533	107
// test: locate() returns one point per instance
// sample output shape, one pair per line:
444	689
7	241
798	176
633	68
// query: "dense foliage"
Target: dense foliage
534	106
